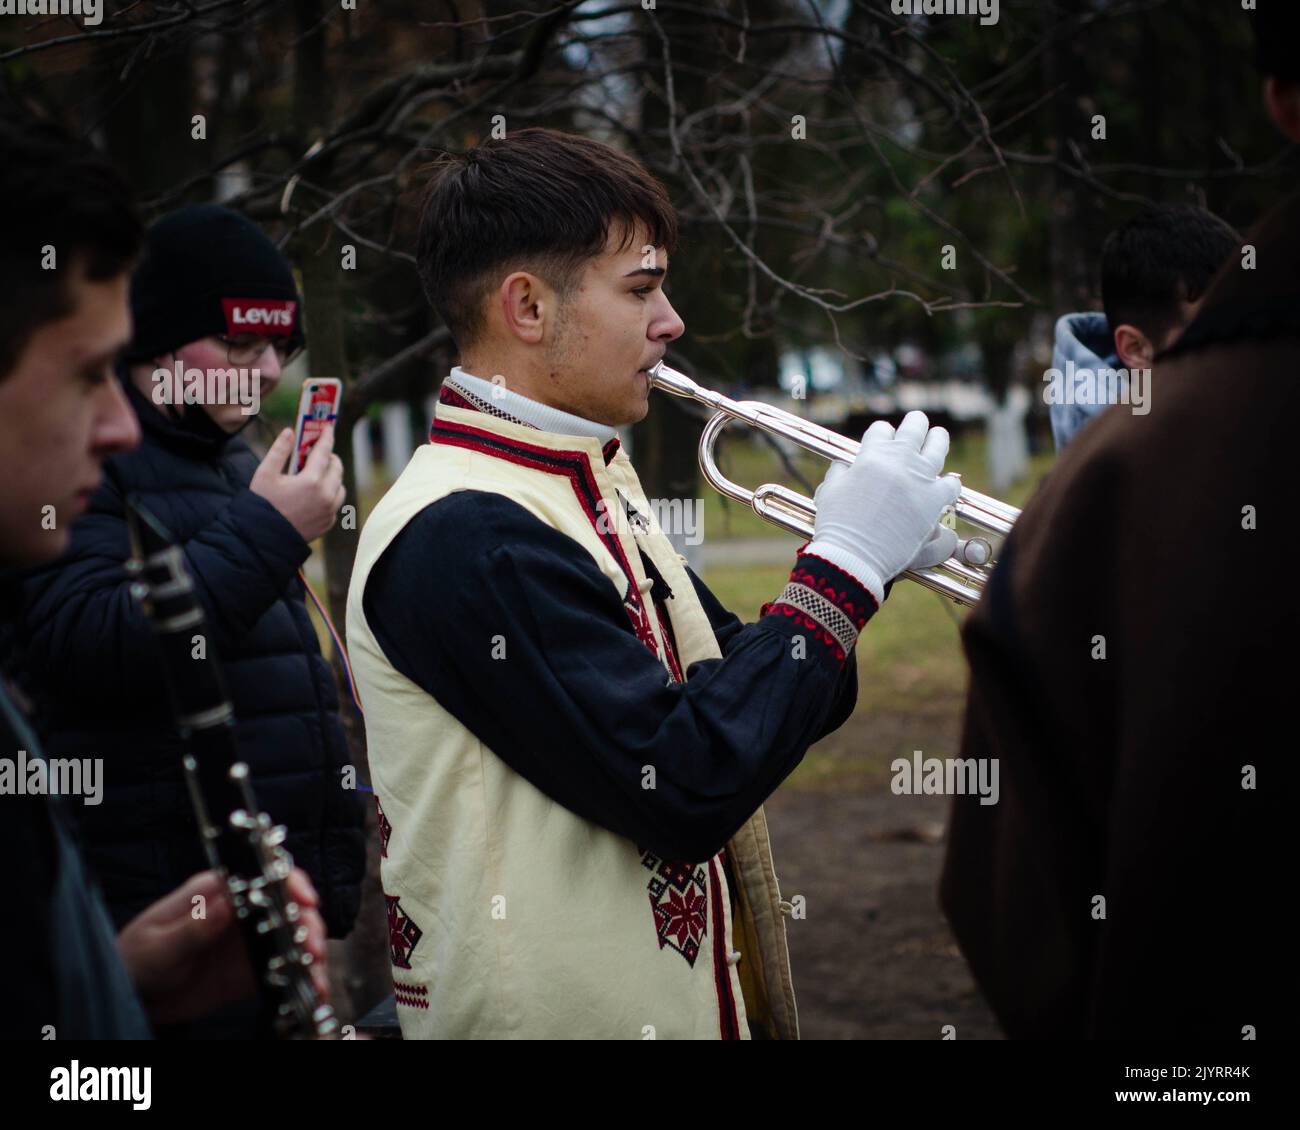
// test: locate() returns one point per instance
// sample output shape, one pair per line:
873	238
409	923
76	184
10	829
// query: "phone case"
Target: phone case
317	407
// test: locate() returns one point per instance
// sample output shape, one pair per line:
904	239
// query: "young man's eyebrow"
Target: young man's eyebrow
100	357
653	272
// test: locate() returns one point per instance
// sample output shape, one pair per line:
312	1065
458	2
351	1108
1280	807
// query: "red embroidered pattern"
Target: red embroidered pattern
403	934
679	903
843	598
665	630
448	395
413	996
636	612
454	398
385	828
809	625
644	632
728	1019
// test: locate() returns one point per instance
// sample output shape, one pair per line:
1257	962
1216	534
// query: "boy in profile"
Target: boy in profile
1154	271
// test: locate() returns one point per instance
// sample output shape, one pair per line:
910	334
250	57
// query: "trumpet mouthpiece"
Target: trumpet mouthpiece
670	380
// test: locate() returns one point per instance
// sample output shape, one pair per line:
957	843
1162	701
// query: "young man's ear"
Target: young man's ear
1134	347
1282	97
519	299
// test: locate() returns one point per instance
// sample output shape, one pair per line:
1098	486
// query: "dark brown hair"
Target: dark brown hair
59	193
537	200
1166	254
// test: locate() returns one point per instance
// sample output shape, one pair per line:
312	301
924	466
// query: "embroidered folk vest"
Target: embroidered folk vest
510	916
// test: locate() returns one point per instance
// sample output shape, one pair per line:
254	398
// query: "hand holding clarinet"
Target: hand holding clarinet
253	884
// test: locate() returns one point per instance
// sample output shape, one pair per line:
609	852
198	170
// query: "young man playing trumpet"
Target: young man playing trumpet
570	738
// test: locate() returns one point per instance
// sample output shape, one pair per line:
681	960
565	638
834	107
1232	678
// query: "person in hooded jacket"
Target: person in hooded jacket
1155	270
212	293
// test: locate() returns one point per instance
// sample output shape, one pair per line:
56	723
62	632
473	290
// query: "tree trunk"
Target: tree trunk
360	968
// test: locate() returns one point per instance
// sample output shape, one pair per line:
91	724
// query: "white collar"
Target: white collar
541	416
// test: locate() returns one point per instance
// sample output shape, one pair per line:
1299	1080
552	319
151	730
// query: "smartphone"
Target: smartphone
318	406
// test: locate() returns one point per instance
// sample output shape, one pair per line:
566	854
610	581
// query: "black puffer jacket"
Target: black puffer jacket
92	665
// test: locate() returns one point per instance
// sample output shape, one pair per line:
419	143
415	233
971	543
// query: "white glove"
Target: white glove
878	515
941	545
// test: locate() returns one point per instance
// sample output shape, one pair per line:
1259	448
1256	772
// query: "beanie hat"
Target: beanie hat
208	270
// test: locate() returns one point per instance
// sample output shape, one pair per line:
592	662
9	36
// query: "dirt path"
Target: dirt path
874	958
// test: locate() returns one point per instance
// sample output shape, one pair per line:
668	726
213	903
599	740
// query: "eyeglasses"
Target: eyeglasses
245	349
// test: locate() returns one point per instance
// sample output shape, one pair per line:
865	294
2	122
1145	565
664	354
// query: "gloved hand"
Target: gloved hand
878	515
941	545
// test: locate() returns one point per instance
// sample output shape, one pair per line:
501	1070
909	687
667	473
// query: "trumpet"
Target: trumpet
961	578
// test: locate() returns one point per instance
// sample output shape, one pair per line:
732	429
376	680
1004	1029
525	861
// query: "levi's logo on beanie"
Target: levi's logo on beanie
259	315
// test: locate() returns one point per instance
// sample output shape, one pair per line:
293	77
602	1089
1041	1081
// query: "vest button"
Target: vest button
733	958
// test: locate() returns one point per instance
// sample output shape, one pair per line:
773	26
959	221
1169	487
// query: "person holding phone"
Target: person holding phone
71	976
212	294
318	408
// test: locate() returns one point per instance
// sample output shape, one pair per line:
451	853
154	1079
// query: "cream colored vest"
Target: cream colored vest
508	915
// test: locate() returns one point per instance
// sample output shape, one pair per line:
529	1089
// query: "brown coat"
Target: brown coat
1122	776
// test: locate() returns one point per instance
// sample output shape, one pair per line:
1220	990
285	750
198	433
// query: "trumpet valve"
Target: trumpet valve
974	551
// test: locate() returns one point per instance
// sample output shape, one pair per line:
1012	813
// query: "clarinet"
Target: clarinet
241	843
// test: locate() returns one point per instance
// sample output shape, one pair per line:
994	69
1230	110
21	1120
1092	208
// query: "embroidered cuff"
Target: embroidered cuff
826	602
